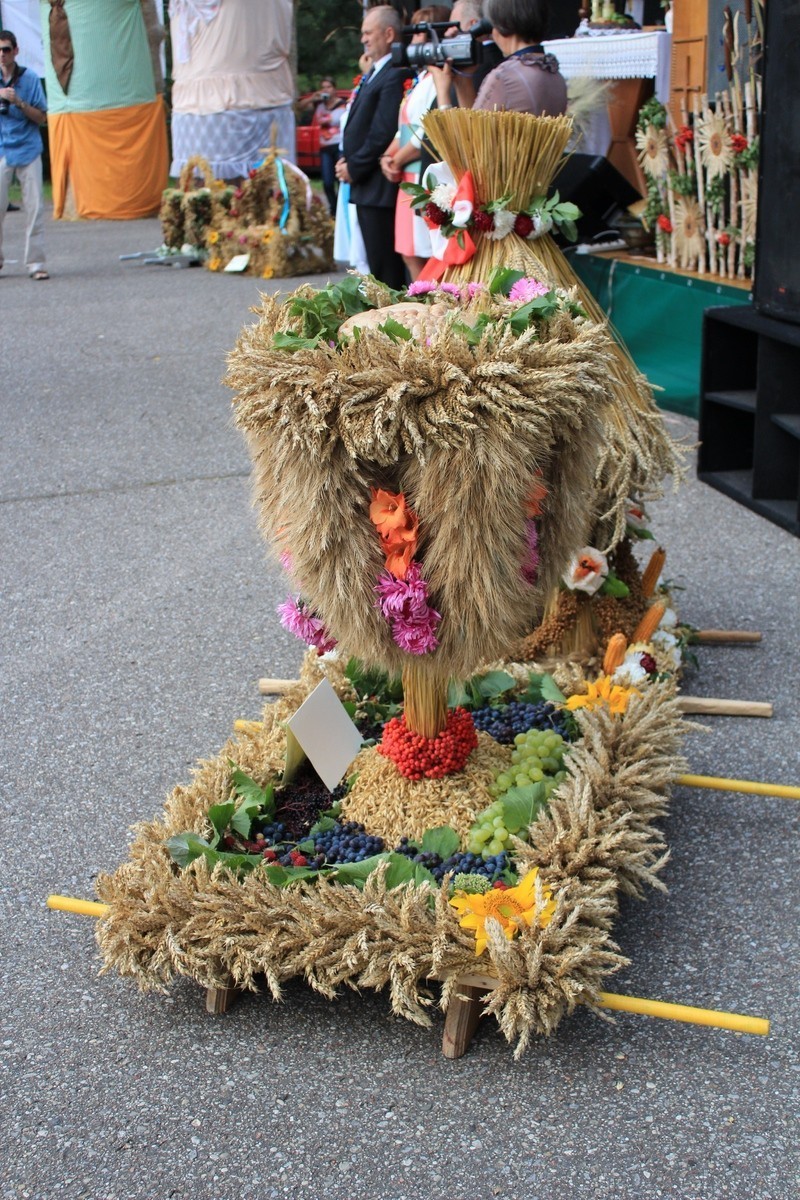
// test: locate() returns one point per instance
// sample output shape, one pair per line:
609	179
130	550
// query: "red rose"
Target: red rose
723	239
664	224
523	225
738	142
684	137
483	221
436	215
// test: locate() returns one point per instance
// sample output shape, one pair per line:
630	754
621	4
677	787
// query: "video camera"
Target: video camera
465	49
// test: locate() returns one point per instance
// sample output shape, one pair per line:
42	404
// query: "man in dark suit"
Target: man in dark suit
371	127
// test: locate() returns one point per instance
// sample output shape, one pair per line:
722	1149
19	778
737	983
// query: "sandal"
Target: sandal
41	274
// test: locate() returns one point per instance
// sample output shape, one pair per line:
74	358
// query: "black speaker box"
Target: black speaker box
598	189
776	287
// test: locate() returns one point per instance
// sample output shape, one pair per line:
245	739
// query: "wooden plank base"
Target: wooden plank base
219	999
462	1019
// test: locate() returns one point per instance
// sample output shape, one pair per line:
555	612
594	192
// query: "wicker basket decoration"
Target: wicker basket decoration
188	209
277	220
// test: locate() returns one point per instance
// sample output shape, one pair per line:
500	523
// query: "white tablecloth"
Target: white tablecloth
616	56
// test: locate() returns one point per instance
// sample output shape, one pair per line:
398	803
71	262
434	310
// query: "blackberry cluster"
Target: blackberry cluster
346	842
506	721
299	803
460	863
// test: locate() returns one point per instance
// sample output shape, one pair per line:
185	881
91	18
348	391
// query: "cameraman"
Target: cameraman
23	109
528	80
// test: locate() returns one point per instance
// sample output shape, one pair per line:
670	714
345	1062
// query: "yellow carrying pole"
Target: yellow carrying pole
683	1012
87	908
242	726
740	785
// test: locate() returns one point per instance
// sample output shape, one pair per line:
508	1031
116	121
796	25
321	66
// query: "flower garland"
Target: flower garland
452	210
402	592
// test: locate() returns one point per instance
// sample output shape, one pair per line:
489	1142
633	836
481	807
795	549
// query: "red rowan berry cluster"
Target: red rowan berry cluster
419	757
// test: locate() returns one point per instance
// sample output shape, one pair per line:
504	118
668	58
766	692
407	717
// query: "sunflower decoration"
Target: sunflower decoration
514	908
653	148
603	693
688	231
715	145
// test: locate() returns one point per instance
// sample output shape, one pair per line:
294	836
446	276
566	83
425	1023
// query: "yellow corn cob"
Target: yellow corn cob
649	623
652	571
615	653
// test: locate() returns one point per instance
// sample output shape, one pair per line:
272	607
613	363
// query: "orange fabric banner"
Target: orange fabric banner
115	161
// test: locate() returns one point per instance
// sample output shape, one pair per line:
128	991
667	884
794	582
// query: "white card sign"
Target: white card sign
326	734
238	263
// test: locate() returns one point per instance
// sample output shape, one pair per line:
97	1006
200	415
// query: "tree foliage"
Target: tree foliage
328	41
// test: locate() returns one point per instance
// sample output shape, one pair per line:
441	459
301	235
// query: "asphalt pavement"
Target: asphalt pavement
138	611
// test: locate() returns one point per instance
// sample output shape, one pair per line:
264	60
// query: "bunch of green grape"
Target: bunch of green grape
538	757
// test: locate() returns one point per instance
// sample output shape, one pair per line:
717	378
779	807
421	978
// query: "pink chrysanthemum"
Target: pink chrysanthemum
474	289
452	289
527	289
298	618
530	567
416	639
404	604
421	287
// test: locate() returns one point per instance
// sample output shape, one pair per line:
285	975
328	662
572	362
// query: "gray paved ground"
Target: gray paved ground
137	614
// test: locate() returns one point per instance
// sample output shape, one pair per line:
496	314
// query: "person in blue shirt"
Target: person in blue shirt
23	108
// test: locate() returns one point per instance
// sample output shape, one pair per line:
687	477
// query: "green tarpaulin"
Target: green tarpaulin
659	315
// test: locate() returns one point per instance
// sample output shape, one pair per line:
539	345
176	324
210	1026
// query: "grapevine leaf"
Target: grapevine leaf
357	872
220	816
394	330
307	846
284	340
457	695
247	788
322	826
551	691
422	875
186	847
495	683
443	841
521	806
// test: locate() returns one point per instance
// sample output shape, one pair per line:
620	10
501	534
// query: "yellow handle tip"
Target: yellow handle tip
86	908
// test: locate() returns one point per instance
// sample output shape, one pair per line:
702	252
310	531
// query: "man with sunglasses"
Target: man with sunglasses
23	108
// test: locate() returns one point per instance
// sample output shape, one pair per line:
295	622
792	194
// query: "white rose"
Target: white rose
503	224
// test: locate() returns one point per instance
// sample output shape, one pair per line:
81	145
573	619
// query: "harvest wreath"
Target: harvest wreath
434	471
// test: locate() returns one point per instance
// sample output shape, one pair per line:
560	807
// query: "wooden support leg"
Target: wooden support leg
461	1020
219	999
